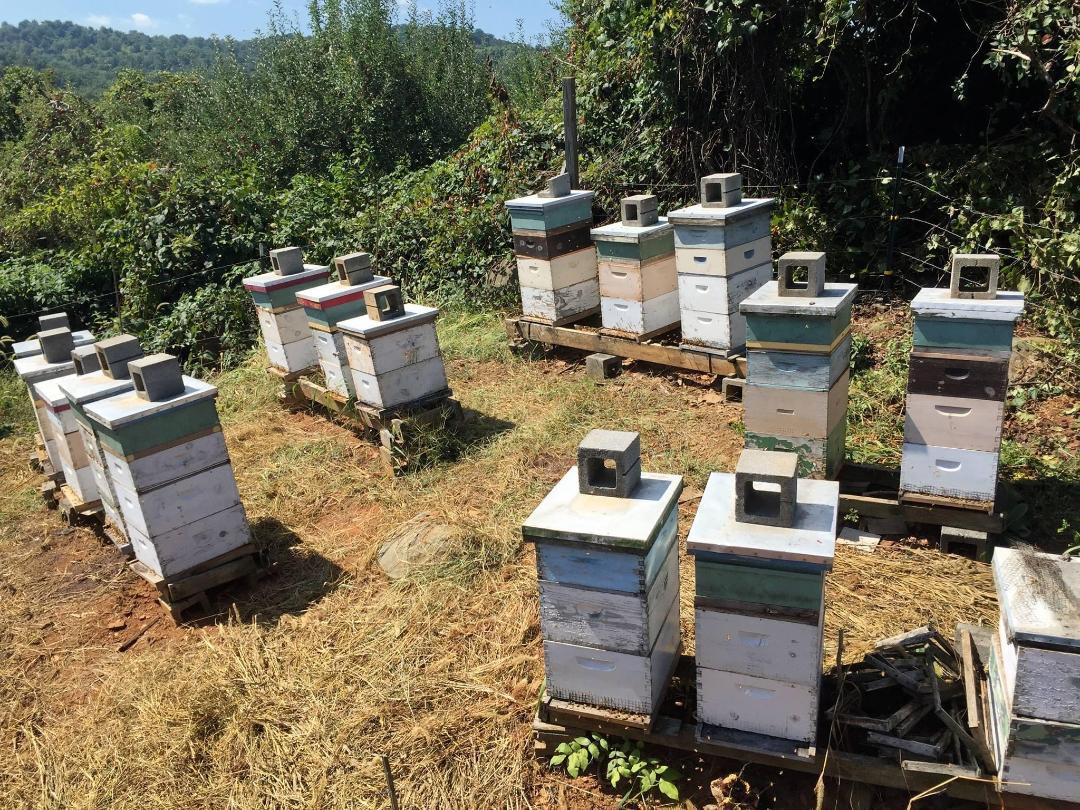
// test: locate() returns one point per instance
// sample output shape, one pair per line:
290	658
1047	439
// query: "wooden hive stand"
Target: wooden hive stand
179	594
76	512
409	434
585	335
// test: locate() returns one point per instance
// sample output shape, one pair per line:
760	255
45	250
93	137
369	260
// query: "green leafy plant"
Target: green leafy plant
578	754
631	770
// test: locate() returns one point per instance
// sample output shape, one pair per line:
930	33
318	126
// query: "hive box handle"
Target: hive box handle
596	665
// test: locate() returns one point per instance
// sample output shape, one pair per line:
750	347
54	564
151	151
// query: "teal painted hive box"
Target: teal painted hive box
707	228
624	243
278	293
331	303
942	322
542	215
807	325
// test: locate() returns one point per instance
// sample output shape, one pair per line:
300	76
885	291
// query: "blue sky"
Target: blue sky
241	18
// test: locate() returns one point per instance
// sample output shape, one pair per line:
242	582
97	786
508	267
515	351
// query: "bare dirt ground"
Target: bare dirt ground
287	693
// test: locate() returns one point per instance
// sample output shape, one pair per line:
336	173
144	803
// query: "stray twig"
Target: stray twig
391	791
127	645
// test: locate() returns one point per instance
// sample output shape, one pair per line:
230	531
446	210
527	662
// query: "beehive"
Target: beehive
762	542
636	266
171	472
283	322
956	391
798	353
42	367
723	252
394	360
556	260
1034	672
325	307
608	571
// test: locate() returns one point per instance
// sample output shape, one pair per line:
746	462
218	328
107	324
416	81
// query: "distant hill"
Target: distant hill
87	59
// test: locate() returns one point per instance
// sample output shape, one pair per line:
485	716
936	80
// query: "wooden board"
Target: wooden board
519	329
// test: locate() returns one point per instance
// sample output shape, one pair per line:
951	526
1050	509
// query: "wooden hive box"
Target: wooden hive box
551	245
638	293
984	325
74	458
33	370
397	361
282	321
759	610
537	216
698	228
1034	672
609	591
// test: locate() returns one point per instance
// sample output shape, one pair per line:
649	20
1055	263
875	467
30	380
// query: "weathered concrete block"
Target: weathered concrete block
966	543
85	359
156	377
56	345
115	353
287	261
609	463
721	190
732	389
766	488
557	186
384	303
600	367
813	262
58	320
354	268
975	275
640	210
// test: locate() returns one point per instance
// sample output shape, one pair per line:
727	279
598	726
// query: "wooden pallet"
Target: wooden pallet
76	512
398	428
677	729
587	337
577	317
290	376
873	491
181	593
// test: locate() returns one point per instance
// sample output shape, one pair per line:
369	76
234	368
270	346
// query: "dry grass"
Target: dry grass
327	665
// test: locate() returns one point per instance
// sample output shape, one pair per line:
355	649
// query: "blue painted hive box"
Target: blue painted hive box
608	571
544	215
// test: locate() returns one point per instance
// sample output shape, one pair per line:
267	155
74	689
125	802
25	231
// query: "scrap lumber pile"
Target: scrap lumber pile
915	697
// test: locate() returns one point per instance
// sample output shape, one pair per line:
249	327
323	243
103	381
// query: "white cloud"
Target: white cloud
143	22
98	20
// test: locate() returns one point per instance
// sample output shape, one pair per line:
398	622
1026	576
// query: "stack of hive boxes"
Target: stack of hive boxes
1034	672
392	352
283	322
326	306
957	385
762	542
58	320
607	556
74	459
556	259
170	470
111	379
798	354
723	252
636	264
54	361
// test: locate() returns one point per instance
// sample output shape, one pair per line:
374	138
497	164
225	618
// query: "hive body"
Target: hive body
290	347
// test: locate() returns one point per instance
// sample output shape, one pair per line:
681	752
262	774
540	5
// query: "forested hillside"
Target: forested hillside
394	136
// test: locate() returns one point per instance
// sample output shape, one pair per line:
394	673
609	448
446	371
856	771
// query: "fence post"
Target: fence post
569	115
889	272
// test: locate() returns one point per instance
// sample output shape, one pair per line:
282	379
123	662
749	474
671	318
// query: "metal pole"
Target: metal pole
892	224
569	117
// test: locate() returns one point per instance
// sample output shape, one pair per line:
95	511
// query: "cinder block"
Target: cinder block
156	377
353	269
966	543
766	488
721	190
287	261
557	186
384	303
600	367
814	264
115	353
640	211
58	320
732	389
85	359
609	463
975	275
56	345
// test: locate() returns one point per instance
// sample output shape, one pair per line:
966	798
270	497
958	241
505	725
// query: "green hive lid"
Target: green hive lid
811	540
534	202
937	302
1039	596
92	387
36	368
118	411
626	524
617	232
368	328
700	215
266	282
766	301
